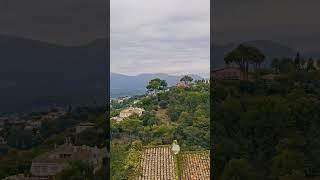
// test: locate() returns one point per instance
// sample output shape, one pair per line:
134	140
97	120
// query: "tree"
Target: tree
275	65
157	85
238	169
186	79
154	84
163	84
149	118
243	56
318	64
78	170
310	66
132	162
184	118
163	104
295	175
297	61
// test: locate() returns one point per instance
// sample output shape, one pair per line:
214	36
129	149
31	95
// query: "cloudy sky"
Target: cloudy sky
63	22
167	36
291	22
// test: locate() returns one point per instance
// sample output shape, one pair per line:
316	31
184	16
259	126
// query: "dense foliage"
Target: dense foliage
175	113
268	128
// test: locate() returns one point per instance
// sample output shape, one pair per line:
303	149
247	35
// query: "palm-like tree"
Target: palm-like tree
163	84
186	79
243	56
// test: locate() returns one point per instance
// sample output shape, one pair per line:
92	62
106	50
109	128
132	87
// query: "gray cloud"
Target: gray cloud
291	22
170	36
68	22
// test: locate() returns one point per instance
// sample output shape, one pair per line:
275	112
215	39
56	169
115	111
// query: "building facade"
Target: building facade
53	162
230	73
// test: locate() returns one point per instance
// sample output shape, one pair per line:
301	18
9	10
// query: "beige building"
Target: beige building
33	125
53	162
23	177
83	126
130	111
182	85
53	115
117	119
122	99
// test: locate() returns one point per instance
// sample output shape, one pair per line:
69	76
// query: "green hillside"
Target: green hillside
176	113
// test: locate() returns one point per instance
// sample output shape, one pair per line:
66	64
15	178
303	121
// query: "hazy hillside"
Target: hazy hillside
37	74
134	85
269	48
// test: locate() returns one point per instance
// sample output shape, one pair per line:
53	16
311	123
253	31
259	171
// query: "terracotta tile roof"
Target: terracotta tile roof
158	163
195	166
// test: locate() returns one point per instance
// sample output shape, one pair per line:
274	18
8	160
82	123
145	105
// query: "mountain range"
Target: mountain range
36	74
134	85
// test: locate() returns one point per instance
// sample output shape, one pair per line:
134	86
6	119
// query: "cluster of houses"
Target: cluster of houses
29	122
84	126
53	162
122	99
125	113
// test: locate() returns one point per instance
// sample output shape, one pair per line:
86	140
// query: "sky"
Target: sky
290	22
62	22
167	36
163	35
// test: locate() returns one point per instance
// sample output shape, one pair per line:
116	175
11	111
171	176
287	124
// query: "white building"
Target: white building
130	111
117	119
136	101
121	99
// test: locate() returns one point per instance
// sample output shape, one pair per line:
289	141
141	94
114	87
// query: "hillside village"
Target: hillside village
45	145
145	129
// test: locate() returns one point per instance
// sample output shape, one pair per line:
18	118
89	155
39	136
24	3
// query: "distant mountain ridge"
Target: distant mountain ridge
133	85
36	74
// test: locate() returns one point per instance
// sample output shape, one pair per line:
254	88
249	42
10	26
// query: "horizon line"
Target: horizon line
151	73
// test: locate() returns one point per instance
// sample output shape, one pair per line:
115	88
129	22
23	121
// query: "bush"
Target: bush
163	104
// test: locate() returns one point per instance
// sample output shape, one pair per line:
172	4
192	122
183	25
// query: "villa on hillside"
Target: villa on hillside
229	73
127	113
83	126
130	111
121	99
182	85
33	124
53	162
53	115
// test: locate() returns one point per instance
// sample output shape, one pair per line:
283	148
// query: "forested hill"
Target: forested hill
267	129
177	113
37	74
121	84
